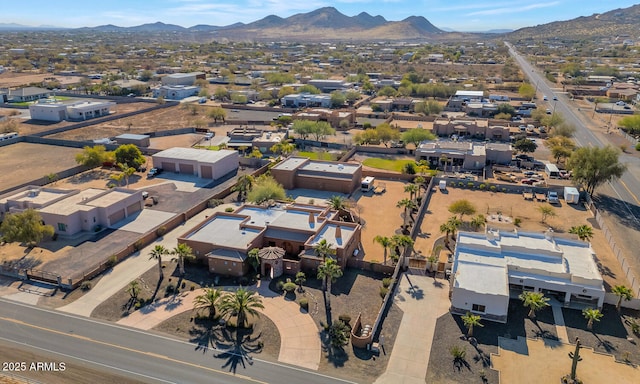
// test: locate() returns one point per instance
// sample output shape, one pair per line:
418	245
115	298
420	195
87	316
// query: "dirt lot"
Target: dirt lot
158	120
12	79
514	206
23	162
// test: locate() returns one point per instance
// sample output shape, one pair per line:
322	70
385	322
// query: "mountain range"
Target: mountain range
328	24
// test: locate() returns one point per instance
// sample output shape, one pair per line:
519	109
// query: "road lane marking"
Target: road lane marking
629	190
15	321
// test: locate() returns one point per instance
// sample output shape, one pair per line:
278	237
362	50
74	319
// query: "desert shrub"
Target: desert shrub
517	221
470	184
137	305
345	318
289	287
638	147
170	289
137	245
161	231
386	282
482	186
304	304
228	209
458	352
86	285
493	188
409	169
280	285
113	260
383	292
214	203
460	184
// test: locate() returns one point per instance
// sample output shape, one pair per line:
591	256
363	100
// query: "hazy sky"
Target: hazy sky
461	15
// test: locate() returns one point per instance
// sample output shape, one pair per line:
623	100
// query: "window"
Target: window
478	308
62	227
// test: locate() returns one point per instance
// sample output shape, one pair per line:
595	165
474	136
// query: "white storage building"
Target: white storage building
201	162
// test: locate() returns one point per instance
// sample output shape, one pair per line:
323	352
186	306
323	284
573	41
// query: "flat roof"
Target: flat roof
297	220
494	279
132	136
260	216
37	195
199	155
328	232
330	167
291	163
73	203
224	231
109	198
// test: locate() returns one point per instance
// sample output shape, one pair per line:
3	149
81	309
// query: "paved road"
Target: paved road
619	199
139	355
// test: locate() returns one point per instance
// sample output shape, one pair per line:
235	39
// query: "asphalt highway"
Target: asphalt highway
619	198
138	355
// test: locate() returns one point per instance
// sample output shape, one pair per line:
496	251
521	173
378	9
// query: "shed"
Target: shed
130	138
201	162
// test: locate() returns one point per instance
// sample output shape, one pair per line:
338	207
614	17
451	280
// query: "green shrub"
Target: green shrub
409	169
470	185
504	190
304	304
383	292
170	289
214	203
112	261
345	318
482	186
86	285
386	282
517	221
280	285
229	209
638	147
137	245
492	188
289	287
460	184
137	305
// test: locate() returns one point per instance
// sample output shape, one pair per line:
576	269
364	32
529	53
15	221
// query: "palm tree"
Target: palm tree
419	180
446	229
241	304
208	300
623	293
454	223
182	252
412	190
133	289
470	320
591	314
386	244
408	205
478	221
243	186
337	203
535	301
584	232
324	249
156	253
403	242
329	271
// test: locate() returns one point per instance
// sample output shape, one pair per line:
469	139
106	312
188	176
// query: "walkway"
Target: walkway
423	300
558	319
299	338
128	270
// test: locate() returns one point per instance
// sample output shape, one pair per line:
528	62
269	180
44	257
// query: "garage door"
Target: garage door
168	166
186	168
206	172
133	208
116	216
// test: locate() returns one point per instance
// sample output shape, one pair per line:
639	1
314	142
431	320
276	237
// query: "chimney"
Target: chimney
338	232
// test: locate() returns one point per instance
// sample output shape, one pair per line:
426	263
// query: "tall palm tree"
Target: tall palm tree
324	249
412	190
209	300
243	186
408	206
454	223
592	315
157	253
470	320
446	229
241	304
584	232
329	271
182	252
535	301
623	293
402	242
386	244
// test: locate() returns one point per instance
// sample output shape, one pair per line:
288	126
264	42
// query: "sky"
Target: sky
459	15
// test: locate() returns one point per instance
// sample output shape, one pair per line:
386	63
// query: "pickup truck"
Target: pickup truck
154	172
552	197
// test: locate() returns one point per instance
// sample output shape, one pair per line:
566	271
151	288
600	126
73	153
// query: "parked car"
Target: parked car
555	98
552	197
528	181
548	111
153	172
529	173
545	98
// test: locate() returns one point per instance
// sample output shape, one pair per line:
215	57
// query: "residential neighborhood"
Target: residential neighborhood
181	206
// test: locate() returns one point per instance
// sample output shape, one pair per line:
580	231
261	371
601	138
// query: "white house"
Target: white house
199	162
176	92
306	100
80	110
489	267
